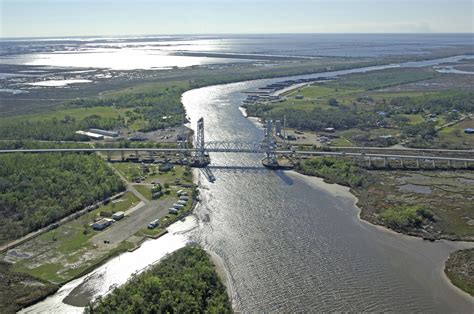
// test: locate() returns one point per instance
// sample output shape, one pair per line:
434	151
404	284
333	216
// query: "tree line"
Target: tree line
184	282
39	189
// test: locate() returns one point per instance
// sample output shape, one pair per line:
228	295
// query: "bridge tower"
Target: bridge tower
270	158
201	159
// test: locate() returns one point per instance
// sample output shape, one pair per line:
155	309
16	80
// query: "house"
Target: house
118	215
102	224
469	131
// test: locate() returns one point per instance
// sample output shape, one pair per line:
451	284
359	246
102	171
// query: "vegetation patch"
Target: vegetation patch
184	282
143	190
335	170
19	290
404	217
460	270
427	204
60	126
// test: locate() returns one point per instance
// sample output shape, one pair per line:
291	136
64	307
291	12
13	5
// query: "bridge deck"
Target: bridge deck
241	149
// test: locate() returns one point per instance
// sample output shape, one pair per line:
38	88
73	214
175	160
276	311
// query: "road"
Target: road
138	219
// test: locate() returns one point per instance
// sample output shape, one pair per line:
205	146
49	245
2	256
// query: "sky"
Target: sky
48	18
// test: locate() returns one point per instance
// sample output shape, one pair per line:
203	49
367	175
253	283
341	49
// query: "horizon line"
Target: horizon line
221	34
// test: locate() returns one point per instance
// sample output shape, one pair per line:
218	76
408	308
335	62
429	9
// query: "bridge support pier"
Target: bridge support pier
370	162
109	155
136	154
466	164
122	154
418	162
150	154
385	162
401	163
433	163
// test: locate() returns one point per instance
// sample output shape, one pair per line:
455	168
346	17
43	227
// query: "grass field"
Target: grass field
76	113
143	190
314	96
454	136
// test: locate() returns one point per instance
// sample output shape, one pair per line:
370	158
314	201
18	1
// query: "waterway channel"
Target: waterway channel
286	241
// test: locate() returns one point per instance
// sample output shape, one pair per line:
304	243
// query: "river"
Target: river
286	241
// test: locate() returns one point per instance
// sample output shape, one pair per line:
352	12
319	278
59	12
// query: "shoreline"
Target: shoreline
215	258
222	274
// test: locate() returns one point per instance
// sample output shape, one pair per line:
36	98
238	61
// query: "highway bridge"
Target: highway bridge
238	149
200	153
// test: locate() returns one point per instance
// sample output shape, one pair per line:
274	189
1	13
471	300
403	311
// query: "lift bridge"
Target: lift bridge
268	147
203	148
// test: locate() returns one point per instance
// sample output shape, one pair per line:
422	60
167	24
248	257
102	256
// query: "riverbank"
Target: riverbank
427	204
460	270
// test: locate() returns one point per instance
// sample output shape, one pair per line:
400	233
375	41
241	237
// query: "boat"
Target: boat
275	165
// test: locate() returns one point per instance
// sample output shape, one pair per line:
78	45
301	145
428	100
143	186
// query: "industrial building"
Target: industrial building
104	132
91	135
